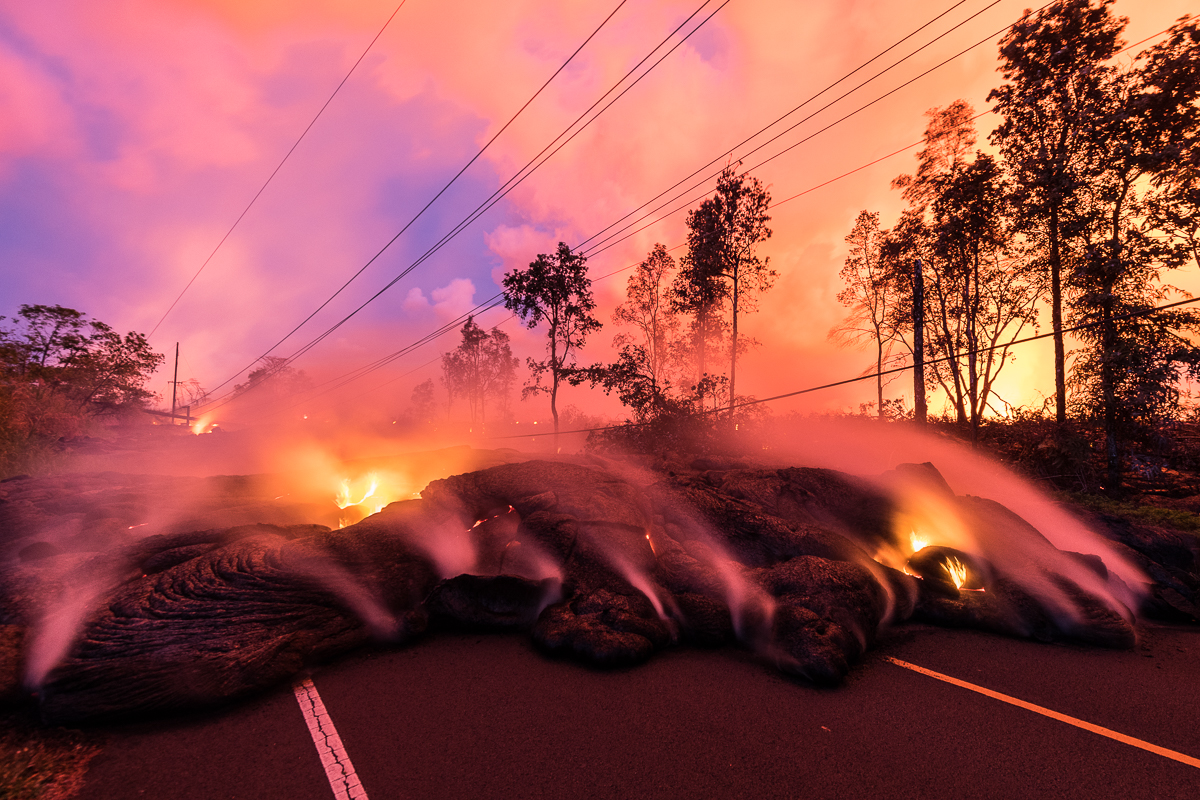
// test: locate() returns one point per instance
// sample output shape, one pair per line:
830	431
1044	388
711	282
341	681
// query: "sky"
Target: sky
133	133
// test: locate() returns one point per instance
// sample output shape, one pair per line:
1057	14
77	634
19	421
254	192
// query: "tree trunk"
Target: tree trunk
1060	357
879	377
973	345
1108	384
555	368
554	407
920	411
1108	378
733	349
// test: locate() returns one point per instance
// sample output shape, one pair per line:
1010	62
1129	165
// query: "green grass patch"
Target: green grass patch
38	763
1177	519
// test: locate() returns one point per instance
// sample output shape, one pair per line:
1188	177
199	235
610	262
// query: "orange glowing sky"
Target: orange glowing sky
133	133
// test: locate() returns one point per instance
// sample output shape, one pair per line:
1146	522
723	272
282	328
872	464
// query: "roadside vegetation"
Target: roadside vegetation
63	375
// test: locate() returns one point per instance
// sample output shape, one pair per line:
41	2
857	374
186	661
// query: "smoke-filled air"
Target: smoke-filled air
624	328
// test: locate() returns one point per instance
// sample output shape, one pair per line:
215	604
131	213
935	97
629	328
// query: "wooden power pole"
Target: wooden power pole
920	410
175	383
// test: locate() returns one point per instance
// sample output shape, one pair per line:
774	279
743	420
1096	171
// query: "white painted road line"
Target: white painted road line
1046	712
338	769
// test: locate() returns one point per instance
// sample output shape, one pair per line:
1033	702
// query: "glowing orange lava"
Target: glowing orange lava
345	493
343	497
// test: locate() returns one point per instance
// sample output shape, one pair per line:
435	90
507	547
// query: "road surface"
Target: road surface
487	716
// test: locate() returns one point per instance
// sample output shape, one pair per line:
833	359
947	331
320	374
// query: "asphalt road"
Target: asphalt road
478	716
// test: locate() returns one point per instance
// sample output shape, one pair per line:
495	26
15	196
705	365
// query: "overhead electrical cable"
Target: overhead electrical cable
278	167
491	302
730	150
525	171
496	196
597	249
518	178
409	224
617	237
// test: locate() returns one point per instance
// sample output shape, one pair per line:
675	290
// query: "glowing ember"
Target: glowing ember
918	543
957	571
648	539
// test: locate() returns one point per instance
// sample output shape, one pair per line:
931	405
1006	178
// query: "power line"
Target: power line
361	372
729	151
616	239
496	196
513	182
883	373
598	249
441	191
278	167
525	171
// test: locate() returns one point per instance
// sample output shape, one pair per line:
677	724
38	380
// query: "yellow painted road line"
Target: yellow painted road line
338	769
1046	712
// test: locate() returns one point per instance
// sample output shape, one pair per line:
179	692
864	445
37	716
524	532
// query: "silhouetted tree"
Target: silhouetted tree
698	293
980	285
871	295
734	225
59	371
480	369
1127	371
85	360
1054	65
721	264
423	402
647	364
276	379
984	275
555	291
1168	82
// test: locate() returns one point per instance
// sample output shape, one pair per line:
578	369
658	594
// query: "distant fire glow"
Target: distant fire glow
345	499
919	543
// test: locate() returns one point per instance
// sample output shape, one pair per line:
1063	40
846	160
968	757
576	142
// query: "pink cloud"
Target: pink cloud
153	123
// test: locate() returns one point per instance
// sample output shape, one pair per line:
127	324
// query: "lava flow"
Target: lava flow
344	501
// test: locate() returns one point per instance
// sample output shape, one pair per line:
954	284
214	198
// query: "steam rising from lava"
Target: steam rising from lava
634	542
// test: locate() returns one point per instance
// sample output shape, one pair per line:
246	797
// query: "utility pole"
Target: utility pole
175	383
918	317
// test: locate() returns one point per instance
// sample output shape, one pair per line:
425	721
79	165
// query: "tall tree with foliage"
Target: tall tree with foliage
984	276
554	291
871	295
698	294
1129	367
723	239
480	369
980	286
648	358
97	369
647	309
60	371
1168	83
1054	63
274	380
